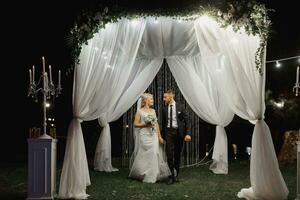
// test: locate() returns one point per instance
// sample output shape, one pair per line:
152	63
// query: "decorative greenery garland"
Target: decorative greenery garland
238	13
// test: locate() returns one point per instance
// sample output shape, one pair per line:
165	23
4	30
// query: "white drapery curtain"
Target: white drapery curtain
149	59
106	63
175	39
142	75
235	73
206	101
121	60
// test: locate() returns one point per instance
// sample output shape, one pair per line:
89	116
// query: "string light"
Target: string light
296	87
248	150
279	104
278	62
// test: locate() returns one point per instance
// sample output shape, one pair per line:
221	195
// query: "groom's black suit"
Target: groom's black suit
174	137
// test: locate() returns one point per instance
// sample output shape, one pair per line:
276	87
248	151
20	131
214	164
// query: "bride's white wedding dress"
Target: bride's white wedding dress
148	159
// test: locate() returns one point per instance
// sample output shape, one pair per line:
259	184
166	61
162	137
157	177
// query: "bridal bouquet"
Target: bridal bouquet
151	119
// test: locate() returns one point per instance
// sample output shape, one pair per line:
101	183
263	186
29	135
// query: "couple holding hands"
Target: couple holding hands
151	162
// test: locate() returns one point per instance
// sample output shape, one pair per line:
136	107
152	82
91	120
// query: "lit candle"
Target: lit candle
30	76
43	65
59	77
297	75
33	73
50	73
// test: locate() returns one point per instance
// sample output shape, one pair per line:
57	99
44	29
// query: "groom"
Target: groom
176	129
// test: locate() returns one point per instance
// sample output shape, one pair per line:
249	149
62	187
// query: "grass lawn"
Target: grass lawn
195	183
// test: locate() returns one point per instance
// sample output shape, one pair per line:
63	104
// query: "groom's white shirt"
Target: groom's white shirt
174	119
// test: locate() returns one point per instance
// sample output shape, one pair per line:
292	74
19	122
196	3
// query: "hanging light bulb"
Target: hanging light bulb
248	150
278	64
279	104
206	148
234	146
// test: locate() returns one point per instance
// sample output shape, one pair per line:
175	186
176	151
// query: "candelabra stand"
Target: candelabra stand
48	90
297	84
298	171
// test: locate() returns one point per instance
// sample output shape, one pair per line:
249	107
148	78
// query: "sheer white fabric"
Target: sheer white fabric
106	64
214	68
143	73
220	152
206	101
136	137
164	37
235	73
169	38
75	173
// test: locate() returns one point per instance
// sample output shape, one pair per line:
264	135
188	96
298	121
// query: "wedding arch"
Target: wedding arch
218	62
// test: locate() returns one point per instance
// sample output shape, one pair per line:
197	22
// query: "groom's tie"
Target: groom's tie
171	116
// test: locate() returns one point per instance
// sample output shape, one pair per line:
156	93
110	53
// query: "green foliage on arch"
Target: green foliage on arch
249	14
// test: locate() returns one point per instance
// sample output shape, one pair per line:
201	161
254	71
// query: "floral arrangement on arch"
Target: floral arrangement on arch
249	14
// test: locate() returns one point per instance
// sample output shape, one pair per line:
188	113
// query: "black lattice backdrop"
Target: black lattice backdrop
194	151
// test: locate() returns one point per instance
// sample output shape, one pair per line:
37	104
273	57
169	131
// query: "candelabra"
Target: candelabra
297	85
48	90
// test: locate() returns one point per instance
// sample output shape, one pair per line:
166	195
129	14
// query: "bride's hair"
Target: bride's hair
144	97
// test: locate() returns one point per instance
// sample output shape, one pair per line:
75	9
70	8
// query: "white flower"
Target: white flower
150	119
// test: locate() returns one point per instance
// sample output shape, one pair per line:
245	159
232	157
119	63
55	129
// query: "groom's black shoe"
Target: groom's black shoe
176	175
171	181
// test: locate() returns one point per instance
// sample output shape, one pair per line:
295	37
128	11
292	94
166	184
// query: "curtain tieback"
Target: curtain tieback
77	118
259	120
102	122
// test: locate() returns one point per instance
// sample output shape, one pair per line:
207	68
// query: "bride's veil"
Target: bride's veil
135	136
164	170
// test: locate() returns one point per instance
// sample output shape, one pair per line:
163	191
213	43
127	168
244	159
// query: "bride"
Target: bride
148	161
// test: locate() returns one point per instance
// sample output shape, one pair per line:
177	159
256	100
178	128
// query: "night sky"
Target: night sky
36	29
